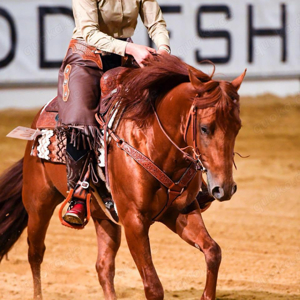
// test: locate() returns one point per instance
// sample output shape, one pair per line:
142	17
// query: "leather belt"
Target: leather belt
86	51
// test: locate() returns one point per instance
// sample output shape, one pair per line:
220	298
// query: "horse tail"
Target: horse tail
13	216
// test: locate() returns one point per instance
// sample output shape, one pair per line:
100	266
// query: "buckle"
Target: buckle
100	120
178	192
109	204
200	166
85	185
119	143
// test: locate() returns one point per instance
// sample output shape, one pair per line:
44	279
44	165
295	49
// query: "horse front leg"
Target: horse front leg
190	227
109	239
136	231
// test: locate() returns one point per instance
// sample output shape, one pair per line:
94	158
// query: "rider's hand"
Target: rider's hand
162	52
140	53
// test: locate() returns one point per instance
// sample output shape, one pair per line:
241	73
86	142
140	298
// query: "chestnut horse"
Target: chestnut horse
32	189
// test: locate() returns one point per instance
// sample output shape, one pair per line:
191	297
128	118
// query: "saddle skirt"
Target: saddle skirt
49	145
48	116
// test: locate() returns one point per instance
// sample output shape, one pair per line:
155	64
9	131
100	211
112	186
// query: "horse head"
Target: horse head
168	84
216	108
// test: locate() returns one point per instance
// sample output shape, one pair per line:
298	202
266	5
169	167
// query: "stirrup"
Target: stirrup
88	210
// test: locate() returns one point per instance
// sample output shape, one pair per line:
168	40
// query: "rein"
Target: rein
174	189
196	158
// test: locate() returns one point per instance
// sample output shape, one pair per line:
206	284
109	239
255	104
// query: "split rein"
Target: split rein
174	189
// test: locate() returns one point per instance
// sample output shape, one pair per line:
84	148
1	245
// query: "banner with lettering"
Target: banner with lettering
261	35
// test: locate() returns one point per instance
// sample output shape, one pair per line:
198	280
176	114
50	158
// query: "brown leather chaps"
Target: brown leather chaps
79	92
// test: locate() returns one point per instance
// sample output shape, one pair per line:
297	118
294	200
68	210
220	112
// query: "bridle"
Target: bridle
174	189
192	119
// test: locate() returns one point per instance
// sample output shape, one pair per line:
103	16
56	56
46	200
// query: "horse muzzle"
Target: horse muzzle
221	192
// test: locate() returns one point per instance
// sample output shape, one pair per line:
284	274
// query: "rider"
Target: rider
99	41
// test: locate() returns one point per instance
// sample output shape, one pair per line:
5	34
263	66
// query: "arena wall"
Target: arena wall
260	35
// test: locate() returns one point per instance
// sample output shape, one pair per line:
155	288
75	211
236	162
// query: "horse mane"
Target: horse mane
141	87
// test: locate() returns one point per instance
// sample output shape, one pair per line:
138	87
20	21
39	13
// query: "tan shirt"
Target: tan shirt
100	22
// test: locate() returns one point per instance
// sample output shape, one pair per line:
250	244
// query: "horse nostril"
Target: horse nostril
217	192
234	189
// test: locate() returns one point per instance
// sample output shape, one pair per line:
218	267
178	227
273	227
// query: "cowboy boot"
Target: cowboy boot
78	175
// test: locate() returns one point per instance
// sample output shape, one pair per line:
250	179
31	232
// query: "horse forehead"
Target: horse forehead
231	122
207	114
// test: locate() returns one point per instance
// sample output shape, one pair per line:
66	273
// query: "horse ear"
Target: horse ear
238	81
196	83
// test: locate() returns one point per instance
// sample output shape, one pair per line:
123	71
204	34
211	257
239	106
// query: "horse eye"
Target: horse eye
204	130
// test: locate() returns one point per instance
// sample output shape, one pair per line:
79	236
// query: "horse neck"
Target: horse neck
172	110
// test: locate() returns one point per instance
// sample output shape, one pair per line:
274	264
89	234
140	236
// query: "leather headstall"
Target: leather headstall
192	118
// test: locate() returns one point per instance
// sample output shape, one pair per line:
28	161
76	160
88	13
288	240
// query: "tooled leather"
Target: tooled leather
48	116
109	84
108	81
150	167
86	52
156	172
46	120
66	90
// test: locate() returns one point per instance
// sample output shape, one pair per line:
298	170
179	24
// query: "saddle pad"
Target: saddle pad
50	146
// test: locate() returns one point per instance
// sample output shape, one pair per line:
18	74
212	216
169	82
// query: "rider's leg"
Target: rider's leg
79	93
81	168
77	162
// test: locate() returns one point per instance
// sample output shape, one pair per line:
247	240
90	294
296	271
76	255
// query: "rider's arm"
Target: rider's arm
153	20
87	22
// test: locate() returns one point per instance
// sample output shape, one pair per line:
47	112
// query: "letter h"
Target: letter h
281	32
